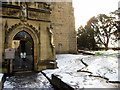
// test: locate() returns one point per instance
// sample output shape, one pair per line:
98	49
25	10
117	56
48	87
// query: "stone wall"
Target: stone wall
63	23
37	27
1	44
37	24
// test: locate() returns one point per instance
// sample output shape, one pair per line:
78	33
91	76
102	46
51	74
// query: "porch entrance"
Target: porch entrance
24	52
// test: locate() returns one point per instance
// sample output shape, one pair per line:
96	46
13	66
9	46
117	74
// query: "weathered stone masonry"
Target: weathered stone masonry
52	31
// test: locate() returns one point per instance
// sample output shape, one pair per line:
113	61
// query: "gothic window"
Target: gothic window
60	45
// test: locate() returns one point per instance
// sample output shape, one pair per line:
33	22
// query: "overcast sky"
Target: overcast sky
85	9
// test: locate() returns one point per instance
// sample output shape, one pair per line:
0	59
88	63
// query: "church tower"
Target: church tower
63	23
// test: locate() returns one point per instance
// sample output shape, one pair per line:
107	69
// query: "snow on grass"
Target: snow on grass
70	69
67	63
83	80
108	52
105	66
73	71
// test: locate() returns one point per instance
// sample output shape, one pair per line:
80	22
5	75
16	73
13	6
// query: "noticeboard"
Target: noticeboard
9	53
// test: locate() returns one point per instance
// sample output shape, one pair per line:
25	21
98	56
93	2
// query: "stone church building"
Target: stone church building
33	32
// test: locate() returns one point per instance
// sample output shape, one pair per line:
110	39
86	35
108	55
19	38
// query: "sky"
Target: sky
85	9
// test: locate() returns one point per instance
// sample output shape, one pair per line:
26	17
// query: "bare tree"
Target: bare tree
104	28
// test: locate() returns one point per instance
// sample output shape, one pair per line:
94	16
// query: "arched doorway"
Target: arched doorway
34	36
24	52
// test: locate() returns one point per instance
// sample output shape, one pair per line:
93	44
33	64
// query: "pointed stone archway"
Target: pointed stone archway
35	38
24	52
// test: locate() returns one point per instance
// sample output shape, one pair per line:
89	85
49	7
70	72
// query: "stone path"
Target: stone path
27	80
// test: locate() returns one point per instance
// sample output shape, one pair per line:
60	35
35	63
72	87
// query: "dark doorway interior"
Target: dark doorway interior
24	60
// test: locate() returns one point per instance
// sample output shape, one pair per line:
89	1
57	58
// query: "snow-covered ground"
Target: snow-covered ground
27	81
79	71
86	71
1	76
105	64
